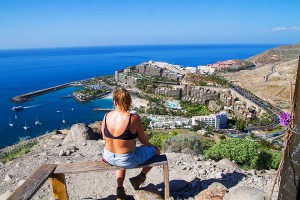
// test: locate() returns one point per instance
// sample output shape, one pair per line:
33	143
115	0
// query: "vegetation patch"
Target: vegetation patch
20	149
207	80
246	153
183	143
194	109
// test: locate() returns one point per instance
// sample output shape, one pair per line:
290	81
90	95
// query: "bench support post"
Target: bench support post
58	187
166	180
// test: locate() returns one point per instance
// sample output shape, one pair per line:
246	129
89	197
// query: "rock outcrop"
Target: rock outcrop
81	132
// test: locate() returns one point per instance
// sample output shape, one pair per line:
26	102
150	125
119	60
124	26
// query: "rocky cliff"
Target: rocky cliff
191	177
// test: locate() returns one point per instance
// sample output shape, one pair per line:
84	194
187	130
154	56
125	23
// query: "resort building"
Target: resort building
217	121
197	94
161	69
124	78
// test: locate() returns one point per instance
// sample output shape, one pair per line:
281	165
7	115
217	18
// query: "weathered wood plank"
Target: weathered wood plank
58	186
33	183
166	180
100	165
289	187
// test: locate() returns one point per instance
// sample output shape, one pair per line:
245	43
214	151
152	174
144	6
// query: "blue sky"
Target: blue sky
68	23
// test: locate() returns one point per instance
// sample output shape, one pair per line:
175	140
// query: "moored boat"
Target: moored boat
26	127
17	108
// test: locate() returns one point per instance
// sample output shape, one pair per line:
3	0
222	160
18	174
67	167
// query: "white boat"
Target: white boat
17	108
72	109
37	122
10	123
26	127
16	117
63	120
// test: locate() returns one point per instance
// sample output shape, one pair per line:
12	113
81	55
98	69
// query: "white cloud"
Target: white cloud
295	28
280	29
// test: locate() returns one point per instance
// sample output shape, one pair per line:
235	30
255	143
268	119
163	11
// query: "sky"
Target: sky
74	23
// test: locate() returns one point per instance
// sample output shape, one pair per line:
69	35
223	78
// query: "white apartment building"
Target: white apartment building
217	121
206	69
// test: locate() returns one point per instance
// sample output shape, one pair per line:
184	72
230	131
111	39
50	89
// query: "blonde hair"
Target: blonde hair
123	98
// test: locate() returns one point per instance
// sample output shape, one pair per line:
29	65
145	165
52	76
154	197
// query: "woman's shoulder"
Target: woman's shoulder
135	116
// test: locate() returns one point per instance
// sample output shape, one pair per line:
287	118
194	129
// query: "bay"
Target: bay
26	70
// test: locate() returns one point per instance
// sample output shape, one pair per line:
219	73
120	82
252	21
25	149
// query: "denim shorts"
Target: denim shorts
130	160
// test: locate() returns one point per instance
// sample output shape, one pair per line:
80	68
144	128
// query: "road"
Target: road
263	105
272	72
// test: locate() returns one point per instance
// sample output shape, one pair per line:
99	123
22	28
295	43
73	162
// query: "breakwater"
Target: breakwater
30	95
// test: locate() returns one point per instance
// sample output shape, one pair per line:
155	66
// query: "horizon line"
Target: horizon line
138	45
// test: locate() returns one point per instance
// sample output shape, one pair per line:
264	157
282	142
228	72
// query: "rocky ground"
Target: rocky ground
191	177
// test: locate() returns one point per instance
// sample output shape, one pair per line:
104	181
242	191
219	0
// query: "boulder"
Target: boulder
81	132
96	127
227	164
146	195
245	193
215	191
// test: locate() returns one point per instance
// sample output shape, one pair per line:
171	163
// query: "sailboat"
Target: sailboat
26	127
72	109
59	111
10	123
64	121
16	117
37	122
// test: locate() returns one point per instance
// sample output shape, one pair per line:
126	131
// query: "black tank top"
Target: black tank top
126	135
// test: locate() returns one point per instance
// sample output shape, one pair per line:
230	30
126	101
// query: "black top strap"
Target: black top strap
128	125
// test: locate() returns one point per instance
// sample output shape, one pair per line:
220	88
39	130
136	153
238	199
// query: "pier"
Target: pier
30	95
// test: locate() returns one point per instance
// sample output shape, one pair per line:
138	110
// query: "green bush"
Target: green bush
222	137
158	139
183	143
206	144
242	151
267	160
245	152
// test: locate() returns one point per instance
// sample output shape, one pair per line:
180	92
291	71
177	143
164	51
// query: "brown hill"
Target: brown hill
273	78
277	54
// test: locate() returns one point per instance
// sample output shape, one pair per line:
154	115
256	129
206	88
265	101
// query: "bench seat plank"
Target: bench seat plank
100	165
33	183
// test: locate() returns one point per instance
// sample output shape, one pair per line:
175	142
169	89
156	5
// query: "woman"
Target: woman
120	129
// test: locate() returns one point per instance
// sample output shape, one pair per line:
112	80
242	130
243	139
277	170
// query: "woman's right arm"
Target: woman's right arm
102	127
140	131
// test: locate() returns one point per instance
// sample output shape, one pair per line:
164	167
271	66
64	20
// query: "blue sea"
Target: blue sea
27	70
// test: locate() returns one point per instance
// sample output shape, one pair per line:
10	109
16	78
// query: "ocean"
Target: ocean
27	70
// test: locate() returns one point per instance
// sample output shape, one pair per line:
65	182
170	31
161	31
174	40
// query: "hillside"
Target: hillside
279	54
273	77
191	177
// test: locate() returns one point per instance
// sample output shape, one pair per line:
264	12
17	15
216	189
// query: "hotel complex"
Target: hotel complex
218	121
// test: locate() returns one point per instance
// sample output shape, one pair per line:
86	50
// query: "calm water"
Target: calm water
23	71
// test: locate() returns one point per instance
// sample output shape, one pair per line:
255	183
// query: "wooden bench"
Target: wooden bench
56	175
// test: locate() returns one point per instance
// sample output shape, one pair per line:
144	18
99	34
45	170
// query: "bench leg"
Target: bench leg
166	179
58	187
